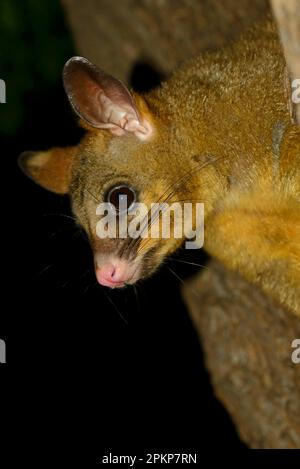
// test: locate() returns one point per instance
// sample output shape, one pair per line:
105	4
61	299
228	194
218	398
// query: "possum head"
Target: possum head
127	153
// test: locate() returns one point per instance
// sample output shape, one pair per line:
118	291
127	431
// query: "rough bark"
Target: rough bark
247	341
246	337
115	35
287	14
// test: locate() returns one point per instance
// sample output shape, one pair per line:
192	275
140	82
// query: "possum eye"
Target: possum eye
121	197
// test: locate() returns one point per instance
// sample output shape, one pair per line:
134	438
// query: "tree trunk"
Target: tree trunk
116	35
247	341
287	14
246	337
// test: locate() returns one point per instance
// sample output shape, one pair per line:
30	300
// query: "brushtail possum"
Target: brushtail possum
218	131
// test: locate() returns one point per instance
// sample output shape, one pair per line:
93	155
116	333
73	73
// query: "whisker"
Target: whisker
182	281
55	233
90	285
44	270
63	215
67	282
87	272
177	276
166	196
137	299
92	195
115	307
79	233
189	263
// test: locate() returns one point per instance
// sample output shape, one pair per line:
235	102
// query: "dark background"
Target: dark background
88	370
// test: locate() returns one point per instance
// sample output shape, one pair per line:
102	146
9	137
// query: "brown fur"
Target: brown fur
224	118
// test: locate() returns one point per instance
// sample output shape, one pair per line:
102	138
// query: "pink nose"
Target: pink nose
110	275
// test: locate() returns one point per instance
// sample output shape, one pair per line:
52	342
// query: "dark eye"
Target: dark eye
121	197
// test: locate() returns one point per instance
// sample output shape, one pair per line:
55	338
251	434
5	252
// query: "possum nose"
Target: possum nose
109	275
113	274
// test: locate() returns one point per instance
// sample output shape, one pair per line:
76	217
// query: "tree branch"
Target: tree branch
287	14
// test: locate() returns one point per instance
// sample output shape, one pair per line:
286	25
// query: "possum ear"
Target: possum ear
50	169
103	101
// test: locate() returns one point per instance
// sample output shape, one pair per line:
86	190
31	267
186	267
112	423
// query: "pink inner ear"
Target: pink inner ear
100	99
